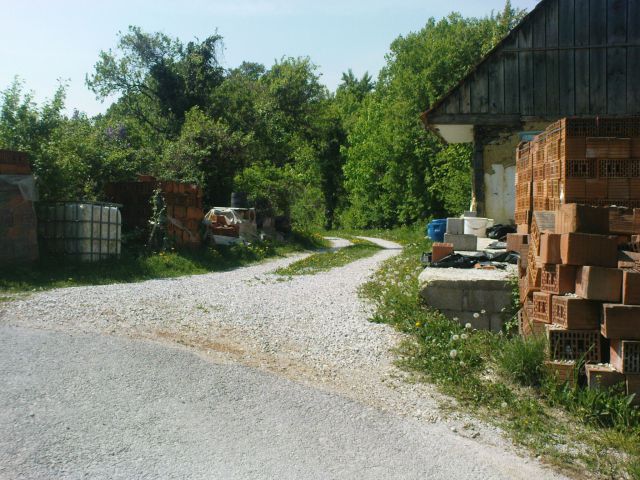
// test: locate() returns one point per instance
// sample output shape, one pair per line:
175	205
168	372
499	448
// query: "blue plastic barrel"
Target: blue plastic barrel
436	229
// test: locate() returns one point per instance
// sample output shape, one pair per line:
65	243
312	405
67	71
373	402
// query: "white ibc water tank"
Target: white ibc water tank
86	231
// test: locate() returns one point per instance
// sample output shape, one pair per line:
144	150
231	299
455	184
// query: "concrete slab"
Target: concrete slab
461	293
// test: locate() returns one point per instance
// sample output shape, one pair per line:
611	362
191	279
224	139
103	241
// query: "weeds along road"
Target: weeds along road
239	374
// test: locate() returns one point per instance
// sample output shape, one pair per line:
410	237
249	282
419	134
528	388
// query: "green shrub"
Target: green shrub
609	407
522	360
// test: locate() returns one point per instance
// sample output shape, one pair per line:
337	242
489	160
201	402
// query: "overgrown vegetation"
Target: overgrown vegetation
332	258
135	266
502	379
356	157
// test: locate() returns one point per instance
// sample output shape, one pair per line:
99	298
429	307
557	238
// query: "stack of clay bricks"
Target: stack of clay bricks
184	212
524	184
183	202
18	232
592	161
581	289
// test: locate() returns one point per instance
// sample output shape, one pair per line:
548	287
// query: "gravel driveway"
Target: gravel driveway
309	329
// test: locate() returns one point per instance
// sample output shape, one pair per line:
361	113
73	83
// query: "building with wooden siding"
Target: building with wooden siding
566	58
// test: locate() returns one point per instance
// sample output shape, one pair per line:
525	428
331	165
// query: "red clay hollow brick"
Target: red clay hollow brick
625	356
515	241
572	218
631	288
633	388
628	259
575	313
558	279
563	371
621	321
550	248
599	283
574	344
602	376
542	306
440	251
588	249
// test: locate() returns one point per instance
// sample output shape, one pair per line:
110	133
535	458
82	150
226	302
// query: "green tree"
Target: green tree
157	78
395	170
208	153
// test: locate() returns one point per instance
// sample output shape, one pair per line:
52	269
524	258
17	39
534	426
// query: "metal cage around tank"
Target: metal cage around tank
87	231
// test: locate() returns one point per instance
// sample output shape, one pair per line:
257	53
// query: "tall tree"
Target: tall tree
396	172
157	78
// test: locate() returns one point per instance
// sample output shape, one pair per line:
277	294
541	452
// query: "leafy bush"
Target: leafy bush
609	407
522	360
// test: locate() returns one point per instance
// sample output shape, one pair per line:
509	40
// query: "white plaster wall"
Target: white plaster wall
499	188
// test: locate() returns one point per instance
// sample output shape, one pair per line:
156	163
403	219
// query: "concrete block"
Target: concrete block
461	293
492	301
497	322
455	226
443	297
482	322
462	242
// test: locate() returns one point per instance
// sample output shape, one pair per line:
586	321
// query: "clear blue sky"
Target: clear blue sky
45	40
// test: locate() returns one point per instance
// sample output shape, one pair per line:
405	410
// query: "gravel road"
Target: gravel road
302	341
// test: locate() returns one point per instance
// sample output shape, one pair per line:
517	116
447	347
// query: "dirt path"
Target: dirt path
309	329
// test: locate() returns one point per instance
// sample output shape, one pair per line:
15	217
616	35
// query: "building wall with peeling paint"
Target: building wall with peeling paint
500	173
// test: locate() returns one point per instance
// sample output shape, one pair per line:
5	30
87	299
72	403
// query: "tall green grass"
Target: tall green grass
501	378
326	260
138	264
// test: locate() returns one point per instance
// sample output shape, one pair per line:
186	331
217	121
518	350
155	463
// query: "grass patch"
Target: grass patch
323	261
138	265
501	379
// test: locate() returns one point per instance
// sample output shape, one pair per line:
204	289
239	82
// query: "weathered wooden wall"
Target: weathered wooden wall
567	57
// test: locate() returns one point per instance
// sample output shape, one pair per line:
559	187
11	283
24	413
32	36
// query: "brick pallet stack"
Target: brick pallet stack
588	300
576	160
576	287
184	212
18	238
183	203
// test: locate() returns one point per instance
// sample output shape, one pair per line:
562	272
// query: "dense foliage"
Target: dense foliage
359	157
